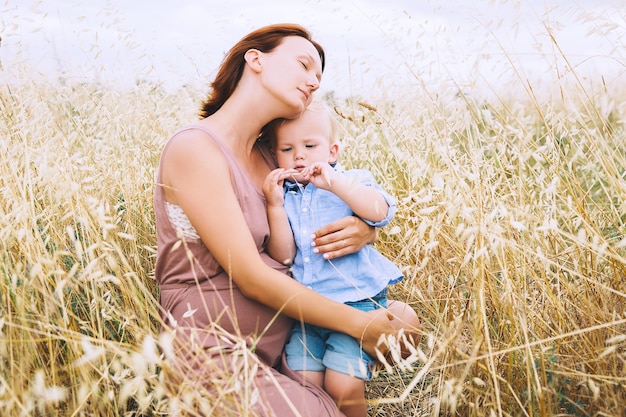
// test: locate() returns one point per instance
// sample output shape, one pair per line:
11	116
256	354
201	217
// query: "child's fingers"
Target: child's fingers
288	173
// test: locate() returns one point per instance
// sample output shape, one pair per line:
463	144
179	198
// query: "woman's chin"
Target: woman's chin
294	115
296	110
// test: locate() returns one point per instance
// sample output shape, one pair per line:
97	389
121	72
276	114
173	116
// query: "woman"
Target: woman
219	288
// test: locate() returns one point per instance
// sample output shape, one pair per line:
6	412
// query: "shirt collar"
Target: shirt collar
291	186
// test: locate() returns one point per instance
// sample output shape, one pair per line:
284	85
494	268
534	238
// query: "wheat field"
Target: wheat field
510	231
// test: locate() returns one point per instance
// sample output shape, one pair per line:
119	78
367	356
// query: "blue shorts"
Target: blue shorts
314	348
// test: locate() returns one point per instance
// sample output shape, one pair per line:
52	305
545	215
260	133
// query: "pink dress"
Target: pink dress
205	308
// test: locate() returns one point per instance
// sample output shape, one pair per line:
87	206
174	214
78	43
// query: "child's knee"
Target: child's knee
343	387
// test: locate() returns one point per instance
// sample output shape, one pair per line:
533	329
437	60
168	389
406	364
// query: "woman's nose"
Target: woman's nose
313	82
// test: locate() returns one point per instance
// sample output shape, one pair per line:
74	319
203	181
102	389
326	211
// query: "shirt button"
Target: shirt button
305	209
307	259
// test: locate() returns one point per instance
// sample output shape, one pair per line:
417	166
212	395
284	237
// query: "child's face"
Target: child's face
305	140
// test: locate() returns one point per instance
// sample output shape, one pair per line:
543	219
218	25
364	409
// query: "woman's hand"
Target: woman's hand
398	317
342	237
380	324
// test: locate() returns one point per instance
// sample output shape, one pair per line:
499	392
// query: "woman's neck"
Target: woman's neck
238	123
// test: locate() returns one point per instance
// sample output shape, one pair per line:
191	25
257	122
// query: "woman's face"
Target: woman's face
292	72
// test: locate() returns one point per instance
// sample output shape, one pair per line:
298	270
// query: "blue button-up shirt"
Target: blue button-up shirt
351	277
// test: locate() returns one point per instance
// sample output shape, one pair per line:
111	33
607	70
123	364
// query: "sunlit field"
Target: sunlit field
510	230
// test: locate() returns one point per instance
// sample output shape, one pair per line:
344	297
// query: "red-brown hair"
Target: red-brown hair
264	39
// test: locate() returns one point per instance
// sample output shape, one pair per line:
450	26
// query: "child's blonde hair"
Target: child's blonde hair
317	105
321	106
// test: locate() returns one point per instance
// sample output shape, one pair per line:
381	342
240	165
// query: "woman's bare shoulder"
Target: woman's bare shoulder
191	154
191	143
192	137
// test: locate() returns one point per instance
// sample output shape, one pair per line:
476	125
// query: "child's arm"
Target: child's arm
280	245
366	202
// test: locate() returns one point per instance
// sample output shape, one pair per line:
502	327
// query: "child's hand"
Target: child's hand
320	174
273	187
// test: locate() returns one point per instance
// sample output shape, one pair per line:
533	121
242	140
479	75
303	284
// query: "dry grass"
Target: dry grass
510	229
510	232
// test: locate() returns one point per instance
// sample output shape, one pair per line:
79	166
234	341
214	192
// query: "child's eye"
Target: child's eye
306	67
285	149
310	146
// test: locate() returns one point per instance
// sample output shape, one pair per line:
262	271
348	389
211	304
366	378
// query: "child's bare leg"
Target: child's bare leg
347	391
312	377
406	318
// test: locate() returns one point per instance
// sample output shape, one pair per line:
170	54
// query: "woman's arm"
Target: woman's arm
198	180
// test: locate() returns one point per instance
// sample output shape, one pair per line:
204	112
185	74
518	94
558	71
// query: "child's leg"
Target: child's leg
347	369
348	366
406	318
304	351
312	377
347	391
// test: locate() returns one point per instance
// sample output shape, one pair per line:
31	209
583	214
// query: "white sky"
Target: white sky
400	42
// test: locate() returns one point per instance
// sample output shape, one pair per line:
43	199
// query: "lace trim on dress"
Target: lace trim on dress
180	221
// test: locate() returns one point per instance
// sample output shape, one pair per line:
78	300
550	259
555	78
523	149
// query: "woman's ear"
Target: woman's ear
253	59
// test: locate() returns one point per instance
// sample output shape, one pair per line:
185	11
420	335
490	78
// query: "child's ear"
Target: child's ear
334	153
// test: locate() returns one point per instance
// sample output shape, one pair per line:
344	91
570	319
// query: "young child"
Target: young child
308	191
